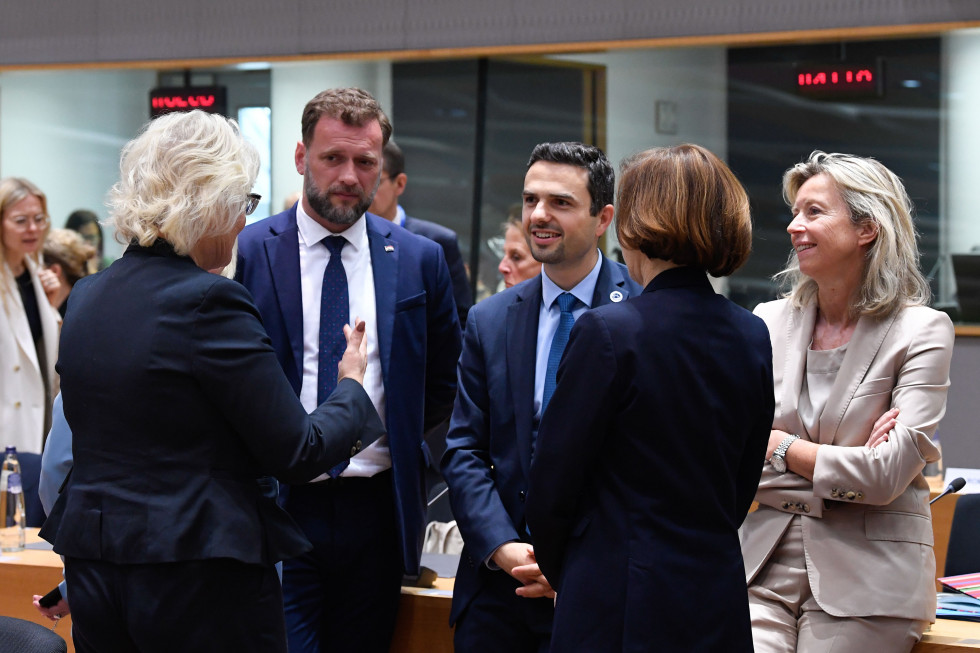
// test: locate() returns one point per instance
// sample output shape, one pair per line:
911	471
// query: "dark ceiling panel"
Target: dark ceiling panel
90	31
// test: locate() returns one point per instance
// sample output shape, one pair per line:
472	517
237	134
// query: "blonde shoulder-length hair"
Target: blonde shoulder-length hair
13	190
872	193
185	177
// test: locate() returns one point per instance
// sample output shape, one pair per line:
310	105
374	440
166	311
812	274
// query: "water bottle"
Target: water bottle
11	504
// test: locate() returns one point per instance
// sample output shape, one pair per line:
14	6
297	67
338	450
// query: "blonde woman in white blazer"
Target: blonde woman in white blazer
29	324
839	554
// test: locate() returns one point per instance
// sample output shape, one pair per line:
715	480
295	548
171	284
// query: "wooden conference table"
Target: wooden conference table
423	620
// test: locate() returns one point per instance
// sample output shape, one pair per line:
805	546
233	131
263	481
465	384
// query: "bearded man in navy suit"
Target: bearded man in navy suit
366	518
501	601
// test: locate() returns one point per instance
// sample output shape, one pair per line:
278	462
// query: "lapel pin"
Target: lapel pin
616	296
389	248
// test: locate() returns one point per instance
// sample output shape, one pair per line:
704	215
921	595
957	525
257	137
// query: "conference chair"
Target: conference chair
22	636
30	472
963	554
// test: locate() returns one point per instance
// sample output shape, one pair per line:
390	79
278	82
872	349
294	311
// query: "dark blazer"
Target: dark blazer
488	452
177	405
646	463
450	247
418	339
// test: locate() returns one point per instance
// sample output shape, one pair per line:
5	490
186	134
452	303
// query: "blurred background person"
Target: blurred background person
517	264
162	504
385	203
86	223
649	452
67	255
28	319
839	554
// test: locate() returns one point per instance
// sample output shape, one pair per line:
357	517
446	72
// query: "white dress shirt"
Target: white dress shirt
356	256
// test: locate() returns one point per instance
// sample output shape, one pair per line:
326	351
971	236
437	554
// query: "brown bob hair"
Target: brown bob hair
683	204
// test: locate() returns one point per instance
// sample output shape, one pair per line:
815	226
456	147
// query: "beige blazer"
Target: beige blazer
867	527
22	397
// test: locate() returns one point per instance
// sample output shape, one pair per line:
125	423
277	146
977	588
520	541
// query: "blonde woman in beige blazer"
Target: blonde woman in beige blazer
839	554
28	329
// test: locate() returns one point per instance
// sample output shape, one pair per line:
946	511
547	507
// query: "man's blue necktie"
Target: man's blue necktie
334	314
566	302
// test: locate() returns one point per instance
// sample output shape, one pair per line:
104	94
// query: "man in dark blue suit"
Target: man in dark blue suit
385	204
324	256
501	602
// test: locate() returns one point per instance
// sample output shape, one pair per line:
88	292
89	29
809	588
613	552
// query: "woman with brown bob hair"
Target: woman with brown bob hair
649	453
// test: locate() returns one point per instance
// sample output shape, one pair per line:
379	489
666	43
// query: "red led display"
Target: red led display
212	99
839	80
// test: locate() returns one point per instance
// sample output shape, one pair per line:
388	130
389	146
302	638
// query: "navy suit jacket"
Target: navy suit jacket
447	238
177	406
645	465
418	339
488	452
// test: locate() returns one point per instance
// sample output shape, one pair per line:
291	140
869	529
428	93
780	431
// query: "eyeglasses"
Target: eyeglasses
252	203
22	221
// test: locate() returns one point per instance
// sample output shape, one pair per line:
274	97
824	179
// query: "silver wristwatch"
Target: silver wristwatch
778	460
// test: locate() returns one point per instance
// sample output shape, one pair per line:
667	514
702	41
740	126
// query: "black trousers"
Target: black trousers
201	605
496	619
344	595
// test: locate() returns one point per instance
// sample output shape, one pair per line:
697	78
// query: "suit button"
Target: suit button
16	404
521	495
851	495
17	368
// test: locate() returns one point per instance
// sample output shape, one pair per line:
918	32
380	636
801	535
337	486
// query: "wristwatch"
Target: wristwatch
778	460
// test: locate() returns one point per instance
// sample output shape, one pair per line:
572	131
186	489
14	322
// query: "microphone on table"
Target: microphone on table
954	486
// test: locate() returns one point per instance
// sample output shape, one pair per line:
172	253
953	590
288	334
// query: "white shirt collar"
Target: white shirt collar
311	232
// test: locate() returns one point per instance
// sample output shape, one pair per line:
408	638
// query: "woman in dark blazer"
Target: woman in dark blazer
649	453
177	405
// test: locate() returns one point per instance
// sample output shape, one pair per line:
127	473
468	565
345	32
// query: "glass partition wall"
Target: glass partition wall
467	127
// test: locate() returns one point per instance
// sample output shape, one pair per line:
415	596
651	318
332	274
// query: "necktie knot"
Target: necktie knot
335	244
566	301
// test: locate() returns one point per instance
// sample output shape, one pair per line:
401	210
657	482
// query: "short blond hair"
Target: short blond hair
185	177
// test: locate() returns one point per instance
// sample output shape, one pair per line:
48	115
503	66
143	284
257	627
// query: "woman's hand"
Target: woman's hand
882	428
51	285
354	362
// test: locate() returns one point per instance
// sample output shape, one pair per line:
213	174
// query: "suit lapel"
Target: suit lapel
282	251
610	286
17	318
384	265
522	338
861	352
799	333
